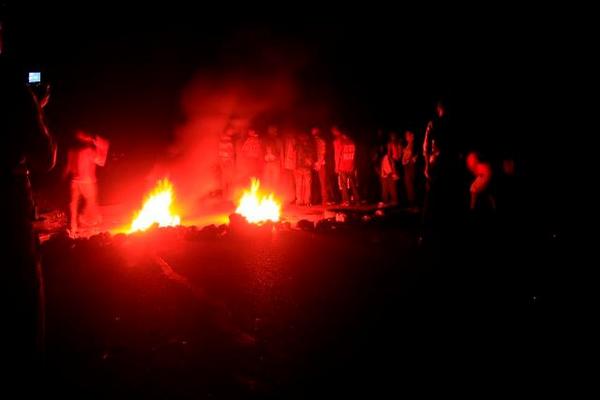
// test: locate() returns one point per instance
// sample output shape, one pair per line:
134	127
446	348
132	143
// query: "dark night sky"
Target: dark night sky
121	72
383	69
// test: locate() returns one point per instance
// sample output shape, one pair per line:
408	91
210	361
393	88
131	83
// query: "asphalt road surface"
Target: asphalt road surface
357	310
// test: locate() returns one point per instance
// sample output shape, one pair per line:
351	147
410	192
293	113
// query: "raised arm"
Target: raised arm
41	149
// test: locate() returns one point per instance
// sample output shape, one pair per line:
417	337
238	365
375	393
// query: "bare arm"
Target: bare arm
41	154
426	149
101	150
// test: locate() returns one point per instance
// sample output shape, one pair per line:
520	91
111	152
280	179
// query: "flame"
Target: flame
156	209
258	208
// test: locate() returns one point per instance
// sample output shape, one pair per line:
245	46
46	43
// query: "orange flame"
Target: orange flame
258	208
156	209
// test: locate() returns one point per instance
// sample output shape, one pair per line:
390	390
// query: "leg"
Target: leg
307	187
226	178
384	189
73	207
393	190
298	180
89	192
409	184
329	185
323	185
92	203
23	305
276	171
343	183
269	176
353	186
302	198
289	182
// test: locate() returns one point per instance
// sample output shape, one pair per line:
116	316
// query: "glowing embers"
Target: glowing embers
157	209
257	207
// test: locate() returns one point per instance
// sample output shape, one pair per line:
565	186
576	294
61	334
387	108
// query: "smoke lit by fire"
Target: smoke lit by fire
157	209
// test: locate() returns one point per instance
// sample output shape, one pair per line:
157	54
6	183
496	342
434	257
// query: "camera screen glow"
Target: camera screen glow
35	77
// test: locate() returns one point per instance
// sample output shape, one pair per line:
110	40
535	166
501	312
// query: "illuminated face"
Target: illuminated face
336	132
83	137
315	131
509	167
440	110
472	162
272	130
252	133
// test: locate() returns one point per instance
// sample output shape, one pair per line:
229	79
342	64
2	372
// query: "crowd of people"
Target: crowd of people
320	166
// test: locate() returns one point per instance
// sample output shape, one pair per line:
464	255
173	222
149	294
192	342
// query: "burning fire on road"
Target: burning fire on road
157	209
257	207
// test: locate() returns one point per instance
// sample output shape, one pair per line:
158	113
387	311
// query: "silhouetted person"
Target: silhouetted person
377	150
482	199
409	164
88	152
273	151
226	152
444	203
389	171
26	143
251	157
289	166
303	174
321	166
345	165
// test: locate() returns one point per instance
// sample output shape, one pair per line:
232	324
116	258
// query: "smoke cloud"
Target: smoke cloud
258	86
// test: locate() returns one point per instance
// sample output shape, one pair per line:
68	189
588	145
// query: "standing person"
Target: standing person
389	173
289	166
433	131
26	145
304	165
88	152
345	154
409	162
273	150
377	151
321	165
444	201
431	154
226	152
389	179
482	198
251	155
